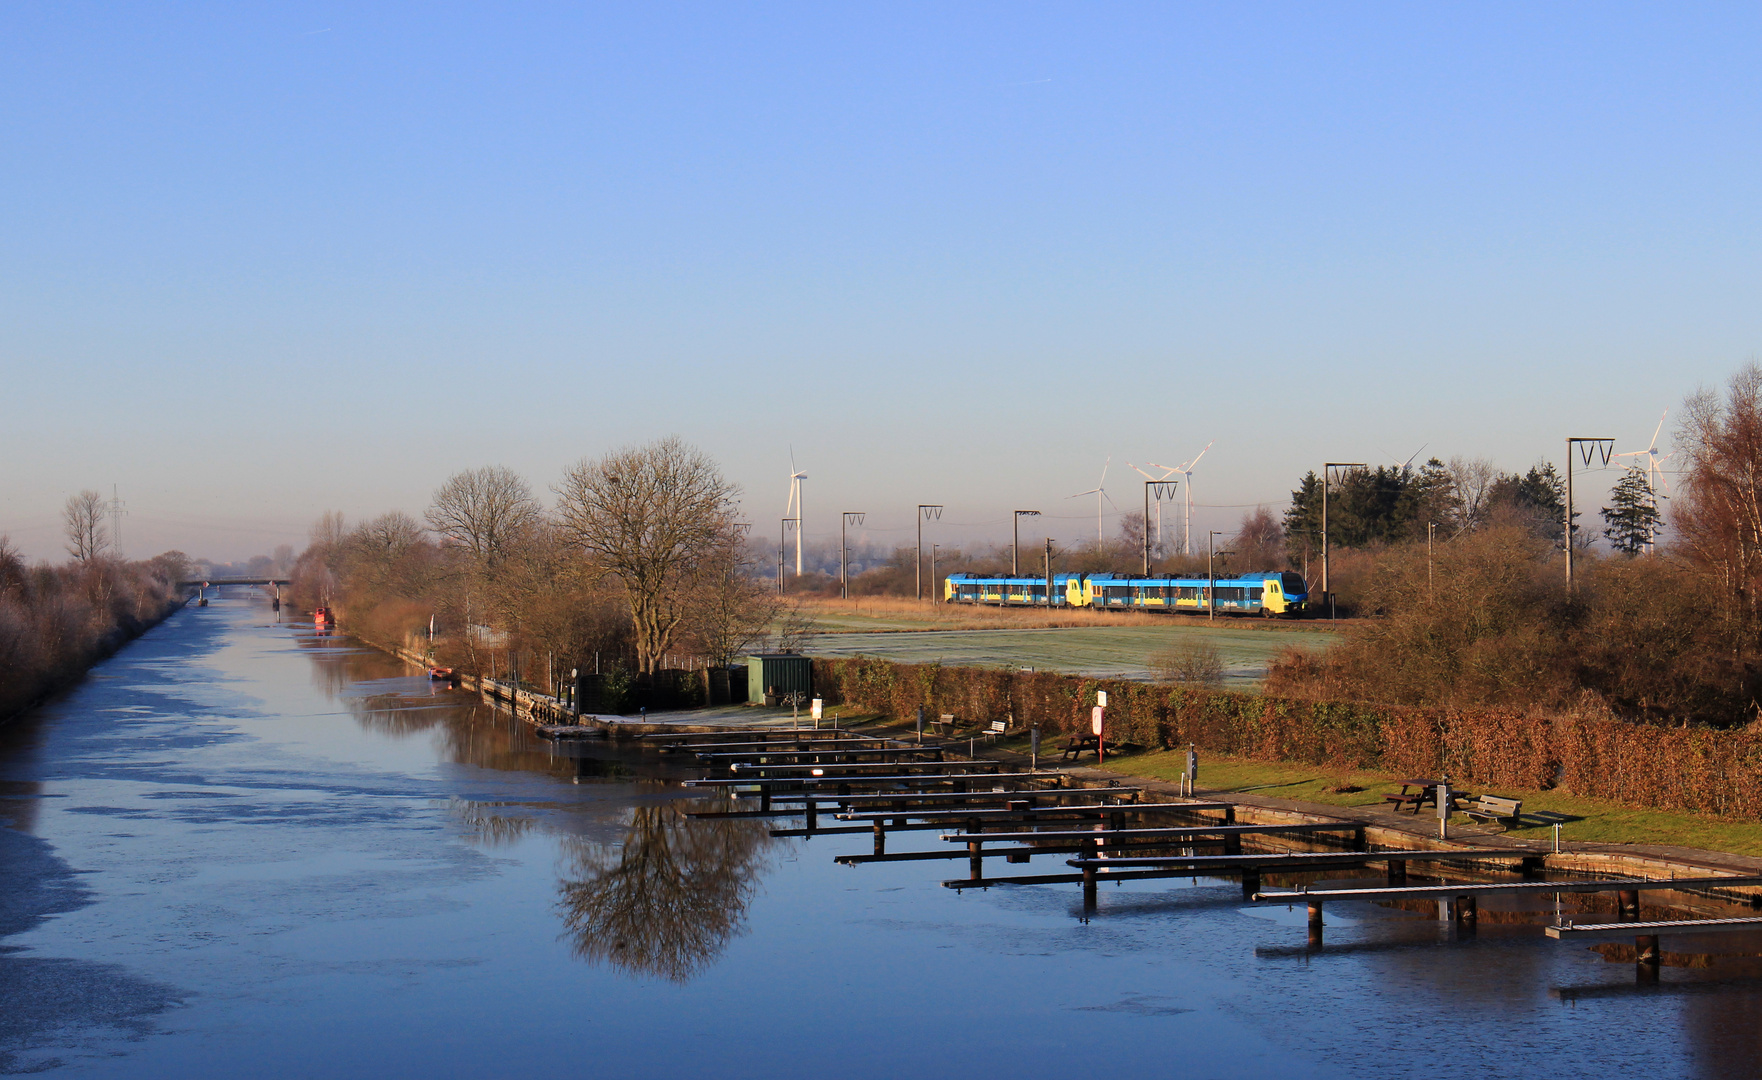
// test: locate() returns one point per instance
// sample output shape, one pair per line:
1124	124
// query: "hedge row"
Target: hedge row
1693	769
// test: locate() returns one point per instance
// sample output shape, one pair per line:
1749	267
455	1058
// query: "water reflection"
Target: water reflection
662	899
668	898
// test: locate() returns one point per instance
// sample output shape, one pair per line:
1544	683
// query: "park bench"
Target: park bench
1495	808
997	728
944	724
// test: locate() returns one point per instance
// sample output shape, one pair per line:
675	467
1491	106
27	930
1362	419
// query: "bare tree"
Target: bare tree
667	900
83	518
388	535
1719	514
1260	540
731	607
485	511
329	531
1473	481
652	517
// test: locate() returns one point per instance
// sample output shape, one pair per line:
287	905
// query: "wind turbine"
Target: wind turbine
1405	465
1654	462
1166	473
795	478
1102	502
1186	470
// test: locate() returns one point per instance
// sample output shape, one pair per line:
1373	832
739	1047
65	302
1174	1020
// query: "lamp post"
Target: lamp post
845	520
1163	488
926	512
1604	448
933	548
1211	555
1015	552
1328	468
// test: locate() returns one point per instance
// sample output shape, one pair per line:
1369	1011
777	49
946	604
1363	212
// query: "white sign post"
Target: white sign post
815	709
1096	725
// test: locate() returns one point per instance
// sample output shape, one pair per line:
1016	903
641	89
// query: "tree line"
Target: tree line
1653	629
640	560
57	621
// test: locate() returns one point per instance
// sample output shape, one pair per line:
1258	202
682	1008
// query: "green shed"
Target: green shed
778	674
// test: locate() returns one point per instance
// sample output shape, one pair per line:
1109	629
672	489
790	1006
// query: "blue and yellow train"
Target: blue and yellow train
1271	594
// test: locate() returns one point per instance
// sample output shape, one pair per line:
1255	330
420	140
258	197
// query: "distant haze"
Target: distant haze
960	255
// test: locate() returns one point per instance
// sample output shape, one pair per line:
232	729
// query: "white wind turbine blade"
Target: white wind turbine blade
1104	466
1658	467
1080	494
1188	468
1652	447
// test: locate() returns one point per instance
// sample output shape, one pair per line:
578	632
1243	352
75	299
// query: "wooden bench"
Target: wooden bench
997	728
944	724
1076	745
1404	799
1494	808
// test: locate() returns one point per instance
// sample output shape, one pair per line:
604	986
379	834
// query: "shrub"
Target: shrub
1196	663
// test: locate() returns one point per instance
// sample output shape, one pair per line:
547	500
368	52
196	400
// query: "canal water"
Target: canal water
242	849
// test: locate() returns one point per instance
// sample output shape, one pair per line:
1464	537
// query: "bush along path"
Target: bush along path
1694	769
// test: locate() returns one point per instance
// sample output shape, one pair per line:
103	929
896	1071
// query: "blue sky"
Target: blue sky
261	261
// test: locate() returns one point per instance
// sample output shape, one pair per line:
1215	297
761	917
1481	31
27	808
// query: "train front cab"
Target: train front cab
1286	594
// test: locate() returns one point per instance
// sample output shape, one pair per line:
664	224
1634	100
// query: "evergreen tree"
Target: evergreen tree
1631	519
1537	499
1303	519
1431	497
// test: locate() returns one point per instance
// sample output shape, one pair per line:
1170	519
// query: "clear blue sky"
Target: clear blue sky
260	261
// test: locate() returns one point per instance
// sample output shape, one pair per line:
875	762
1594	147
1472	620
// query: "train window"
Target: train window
1256	594
1293	583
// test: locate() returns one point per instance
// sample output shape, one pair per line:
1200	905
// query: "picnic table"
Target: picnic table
1418	791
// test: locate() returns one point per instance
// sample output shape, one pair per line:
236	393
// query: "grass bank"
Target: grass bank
1586	820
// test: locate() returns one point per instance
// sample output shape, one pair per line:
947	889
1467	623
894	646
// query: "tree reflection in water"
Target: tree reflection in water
667	900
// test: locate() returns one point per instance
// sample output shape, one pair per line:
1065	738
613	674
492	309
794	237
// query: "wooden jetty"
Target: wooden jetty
856	768
902	803
1050	842
819	754
1463	898
1248	867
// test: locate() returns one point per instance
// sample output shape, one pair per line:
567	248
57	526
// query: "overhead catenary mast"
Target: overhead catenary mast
116	513
1166	473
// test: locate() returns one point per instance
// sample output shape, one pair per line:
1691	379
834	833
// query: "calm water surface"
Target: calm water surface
243	850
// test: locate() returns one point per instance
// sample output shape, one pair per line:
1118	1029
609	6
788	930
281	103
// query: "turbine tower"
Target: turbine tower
1654	463
1186	471
1102	502
795	478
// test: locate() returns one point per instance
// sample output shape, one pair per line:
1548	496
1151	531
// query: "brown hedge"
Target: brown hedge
1701	770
